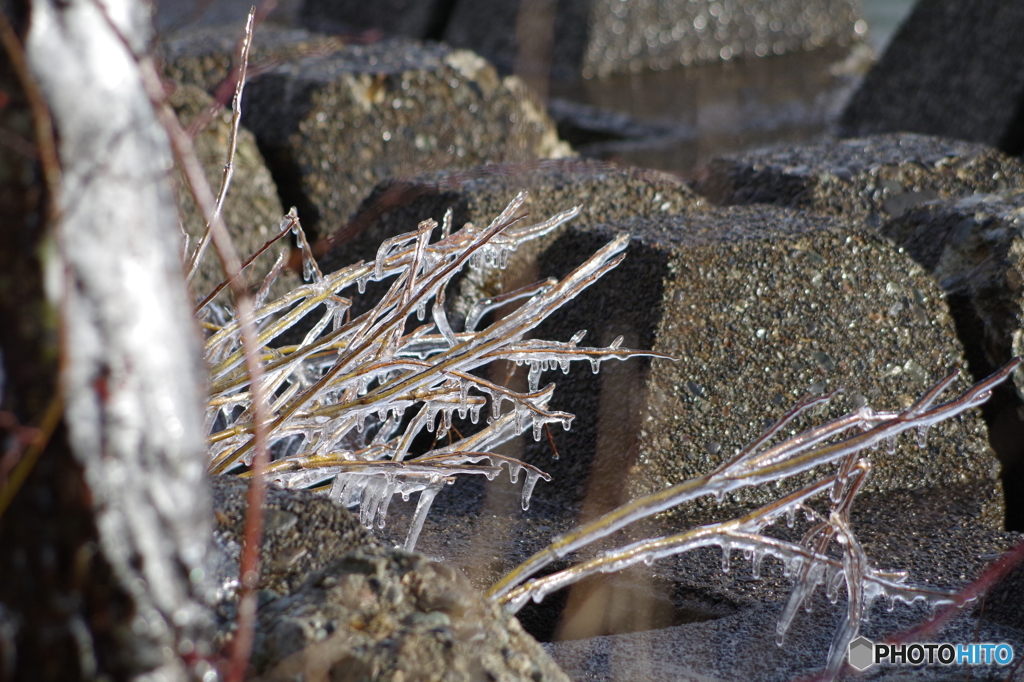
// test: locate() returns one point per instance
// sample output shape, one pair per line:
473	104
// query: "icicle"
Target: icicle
441	322
528	485
520	418
922	437
538	424
378	263
372	494
446	223
361	283
421	309
310	272
790	517
595	364
420	515
755	566
833	577
533	378
890	445
474	413
726	551
385	501
463	398
513	472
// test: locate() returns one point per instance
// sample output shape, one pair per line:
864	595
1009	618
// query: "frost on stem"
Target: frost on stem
810	563
348	401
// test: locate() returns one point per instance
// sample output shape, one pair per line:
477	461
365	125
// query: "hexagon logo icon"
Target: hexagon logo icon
861	653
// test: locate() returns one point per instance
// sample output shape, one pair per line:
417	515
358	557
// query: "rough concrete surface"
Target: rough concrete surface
760	305
336	604
604	193
954	69
577	38
252	210
204	55
869	178
333	127
972	247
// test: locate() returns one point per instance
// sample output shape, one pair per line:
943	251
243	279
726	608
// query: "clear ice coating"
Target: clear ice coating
337	397
829	554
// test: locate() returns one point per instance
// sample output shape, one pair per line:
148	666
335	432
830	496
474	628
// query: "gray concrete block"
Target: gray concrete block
954	69
252	210
602	37
867	179
760	305
333	127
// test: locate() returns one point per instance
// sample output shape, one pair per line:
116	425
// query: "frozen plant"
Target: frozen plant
346	404
809	563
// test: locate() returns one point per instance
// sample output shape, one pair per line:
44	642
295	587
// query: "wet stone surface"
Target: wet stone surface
657	34
337	603
870	178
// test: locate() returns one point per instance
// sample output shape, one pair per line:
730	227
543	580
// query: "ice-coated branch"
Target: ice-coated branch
792	456
340	395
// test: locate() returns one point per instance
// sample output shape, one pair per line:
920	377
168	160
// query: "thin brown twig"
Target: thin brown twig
51	418
229	165
46	144
259	252
551	440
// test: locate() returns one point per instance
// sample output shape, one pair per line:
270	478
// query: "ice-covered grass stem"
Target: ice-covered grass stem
809	563
349	400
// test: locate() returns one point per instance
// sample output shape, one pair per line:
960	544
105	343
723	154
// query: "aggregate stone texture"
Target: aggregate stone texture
205	55
337	604
742	647
333	127
601	37
604	193
973	248
252	210
872	178
661	34
760	306
954	69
